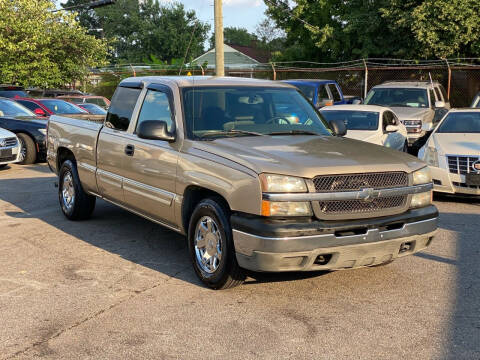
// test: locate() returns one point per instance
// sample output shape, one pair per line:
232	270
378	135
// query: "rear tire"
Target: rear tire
28	150
3	166
211	247
75	203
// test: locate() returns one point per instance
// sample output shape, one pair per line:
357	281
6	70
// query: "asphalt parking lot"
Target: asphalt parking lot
118	286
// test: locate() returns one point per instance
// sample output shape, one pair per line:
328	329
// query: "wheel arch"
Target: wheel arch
64	154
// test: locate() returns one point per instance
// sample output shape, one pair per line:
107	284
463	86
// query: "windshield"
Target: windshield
398	97
13	93
461	122
93	109
62	107
213	112
12	108
307	90
354	120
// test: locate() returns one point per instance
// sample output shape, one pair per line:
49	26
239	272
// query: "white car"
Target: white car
374	124
453	153
9	148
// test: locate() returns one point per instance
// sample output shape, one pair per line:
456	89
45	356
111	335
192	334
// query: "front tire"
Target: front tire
75	203
28	151
211	247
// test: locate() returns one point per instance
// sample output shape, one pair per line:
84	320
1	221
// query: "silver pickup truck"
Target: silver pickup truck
249	171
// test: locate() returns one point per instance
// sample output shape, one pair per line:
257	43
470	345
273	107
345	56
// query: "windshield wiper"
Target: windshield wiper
232	132
294	132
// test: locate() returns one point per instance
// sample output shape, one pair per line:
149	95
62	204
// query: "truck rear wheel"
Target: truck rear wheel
76	204
211	247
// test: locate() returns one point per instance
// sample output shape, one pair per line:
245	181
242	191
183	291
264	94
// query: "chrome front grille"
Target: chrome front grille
462	165
354	182
9	142
337	209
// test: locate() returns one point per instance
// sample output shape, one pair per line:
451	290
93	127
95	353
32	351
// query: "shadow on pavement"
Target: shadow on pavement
464	326
117	231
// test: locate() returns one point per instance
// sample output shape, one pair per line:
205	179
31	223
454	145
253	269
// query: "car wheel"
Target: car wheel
76	204
3	166
211	247
28	151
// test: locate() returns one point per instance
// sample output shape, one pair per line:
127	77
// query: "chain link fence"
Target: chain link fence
461	77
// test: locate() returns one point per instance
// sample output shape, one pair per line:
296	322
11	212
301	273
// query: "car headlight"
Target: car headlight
421	200
282	184
43	131
290	208
422	176
431	156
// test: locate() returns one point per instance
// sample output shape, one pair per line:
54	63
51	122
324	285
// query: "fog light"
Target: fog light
421	200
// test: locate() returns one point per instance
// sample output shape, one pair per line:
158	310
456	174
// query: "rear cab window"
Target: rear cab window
122	106
335	93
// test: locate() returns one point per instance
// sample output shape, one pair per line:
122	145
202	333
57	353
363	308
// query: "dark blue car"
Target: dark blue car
30	130
322	92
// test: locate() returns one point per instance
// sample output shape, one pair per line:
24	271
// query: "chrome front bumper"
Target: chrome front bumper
302	253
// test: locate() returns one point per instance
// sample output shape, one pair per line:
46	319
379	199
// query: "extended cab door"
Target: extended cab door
111	145
150	170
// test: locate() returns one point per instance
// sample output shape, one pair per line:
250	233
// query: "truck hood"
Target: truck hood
308	156
407	113
457	144
364	135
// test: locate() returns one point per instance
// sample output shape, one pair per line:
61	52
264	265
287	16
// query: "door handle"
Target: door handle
129	150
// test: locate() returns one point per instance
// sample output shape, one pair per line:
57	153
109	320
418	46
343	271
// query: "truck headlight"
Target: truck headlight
421	200
431	156
282	184
277	208
422	176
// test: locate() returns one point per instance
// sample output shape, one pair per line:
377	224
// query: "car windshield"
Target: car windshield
214	112
13	93
12	108
307	90
460	122
93	109
62	107
398	97
354	120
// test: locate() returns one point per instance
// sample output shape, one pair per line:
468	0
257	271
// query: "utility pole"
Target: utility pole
219	55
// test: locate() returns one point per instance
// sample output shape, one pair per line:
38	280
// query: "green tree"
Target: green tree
236	36
334	30
139	30
44	48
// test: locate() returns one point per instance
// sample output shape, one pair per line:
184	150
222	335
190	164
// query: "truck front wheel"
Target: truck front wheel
211	247
76	204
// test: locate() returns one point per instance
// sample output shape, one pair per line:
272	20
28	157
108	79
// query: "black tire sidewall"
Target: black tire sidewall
210	207
30	151
67	166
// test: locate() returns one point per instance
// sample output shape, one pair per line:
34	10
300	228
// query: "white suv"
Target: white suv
420	105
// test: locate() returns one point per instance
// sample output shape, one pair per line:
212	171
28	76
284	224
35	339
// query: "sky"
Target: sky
236	13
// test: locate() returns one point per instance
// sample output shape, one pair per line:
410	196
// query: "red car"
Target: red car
49	106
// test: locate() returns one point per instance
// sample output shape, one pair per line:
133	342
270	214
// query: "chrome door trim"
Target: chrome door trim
153	193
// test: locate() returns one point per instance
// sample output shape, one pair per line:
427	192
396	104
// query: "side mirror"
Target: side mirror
439	104
339	128
39	112
154	130
391	128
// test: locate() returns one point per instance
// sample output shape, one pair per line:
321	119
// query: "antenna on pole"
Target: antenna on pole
219	55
